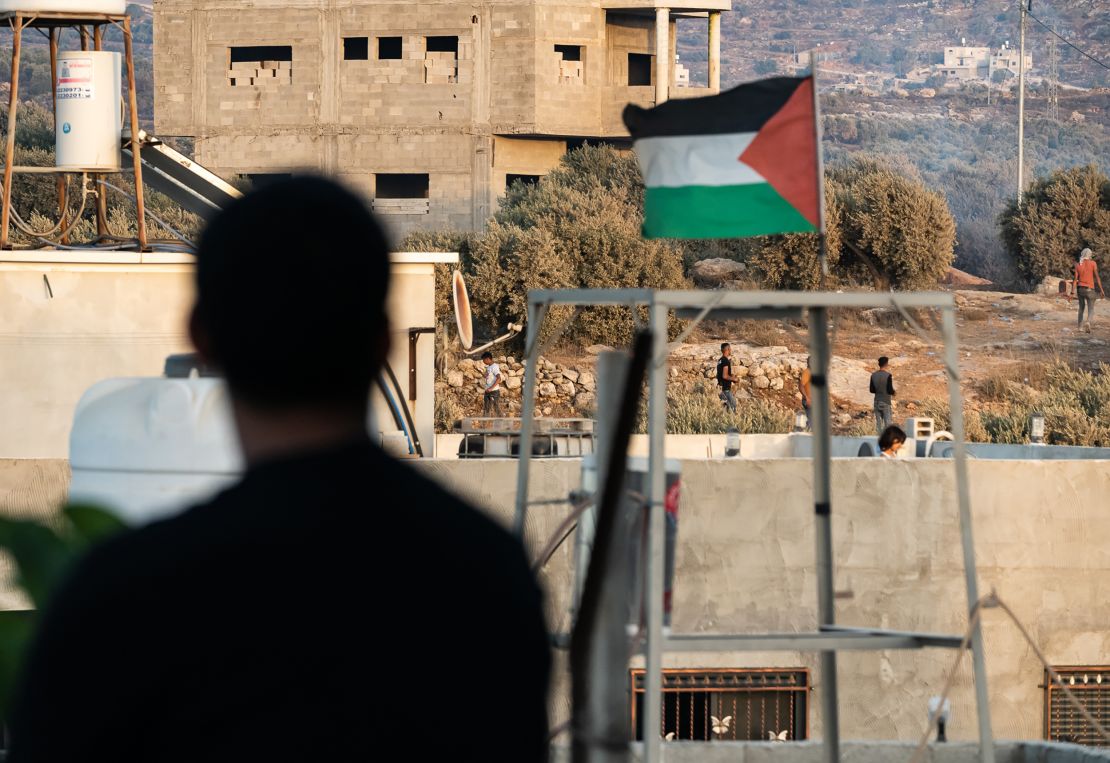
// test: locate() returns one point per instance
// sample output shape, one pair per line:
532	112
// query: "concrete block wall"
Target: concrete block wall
505	81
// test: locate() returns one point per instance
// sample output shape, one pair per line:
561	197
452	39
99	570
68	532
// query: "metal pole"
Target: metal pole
528	410
818	134
657	471
963	493
822	480
60	181
662	54
612	370
1021	104
136	159
101	191
9	150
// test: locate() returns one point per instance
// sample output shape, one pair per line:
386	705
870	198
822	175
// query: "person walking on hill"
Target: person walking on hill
1086	276
803	387
882	387
491	394
724	377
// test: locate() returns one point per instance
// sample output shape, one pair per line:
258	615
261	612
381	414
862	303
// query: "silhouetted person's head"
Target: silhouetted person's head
290	305
487	358
884	361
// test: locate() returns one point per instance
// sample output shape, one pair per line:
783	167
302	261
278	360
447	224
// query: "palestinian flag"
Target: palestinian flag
741	163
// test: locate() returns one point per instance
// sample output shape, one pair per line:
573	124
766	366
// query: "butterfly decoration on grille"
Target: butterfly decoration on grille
779	737
721	725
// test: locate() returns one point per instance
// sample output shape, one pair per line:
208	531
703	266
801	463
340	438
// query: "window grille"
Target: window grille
753	704
1062	721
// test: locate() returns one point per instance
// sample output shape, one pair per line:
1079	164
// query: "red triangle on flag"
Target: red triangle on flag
784	152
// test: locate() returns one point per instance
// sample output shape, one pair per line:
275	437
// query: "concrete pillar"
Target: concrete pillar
662	54
715	51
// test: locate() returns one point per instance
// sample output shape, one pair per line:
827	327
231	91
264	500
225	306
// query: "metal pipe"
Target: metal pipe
1021	105
9	150
822	480
60	181
963	494
817	135
536	315
657	471
612	370
136	159
101	194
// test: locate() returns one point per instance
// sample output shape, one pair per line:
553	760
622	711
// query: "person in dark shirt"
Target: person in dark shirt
331	603
882	387
724	377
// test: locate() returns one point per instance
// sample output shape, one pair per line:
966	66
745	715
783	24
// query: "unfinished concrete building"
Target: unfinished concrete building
431	108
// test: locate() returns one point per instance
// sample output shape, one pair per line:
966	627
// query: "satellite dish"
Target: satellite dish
463	318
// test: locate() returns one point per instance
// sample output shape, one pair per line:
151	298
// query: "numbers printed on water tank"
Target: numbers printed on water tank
75	77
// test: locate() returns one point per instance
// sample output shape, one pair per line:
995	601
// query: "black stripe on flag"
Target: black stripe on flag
745	108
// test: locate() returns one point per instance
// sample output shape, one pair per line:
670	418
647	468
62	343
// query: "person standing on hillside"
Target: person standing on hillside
724	377
1086	276
491	387
803	387
882	387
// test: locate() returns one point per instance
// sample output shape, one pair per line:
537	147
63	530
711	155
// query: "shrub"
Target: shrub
1059	216
700	411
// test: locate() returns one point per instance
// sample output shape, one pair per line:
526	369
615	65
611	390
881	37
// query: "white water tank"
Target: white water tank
147	448
114	7
89	115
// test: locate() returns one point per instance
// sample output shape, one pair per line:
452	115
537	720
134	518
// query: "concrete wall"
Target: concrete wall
745	564
65	326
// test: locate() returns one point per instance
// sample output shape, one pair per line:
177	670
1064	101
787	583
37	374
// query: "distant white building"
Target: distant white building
681	74
963	62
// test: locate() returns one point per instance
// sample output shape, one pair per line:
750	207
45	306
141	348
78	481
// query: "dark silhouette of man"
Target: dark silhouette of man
333	605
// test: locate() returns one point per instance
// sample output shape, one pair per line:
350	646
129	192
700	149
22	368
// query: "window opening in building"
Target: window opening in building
1062	721
441	60
752	704
639	69
356	48
511	179
401	193
390	48
262	179
260	65
570	63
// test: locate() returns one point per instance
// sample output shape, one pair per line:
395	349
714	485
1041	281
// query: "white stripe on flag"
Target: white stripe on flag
683	160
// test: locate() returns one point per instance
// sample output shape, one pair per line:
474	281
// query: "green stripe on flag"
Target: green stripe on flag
726	211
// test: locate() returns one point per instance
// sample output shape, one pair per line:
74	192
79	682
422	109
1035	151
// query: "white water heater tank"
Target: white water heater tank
89	116
113	7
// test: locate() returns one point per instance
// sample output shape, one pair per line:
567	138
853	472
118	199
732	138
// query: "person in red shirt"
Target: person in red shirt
1086	276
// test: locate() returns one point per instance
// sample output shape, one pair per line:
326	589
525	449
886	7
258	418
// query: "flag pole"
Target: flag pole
823	254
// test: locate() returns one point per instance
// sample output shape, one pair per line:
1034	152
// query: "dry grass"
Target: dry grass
974	314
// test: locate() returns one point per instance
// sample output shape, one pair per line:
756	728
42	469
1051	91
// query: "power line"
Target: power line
1068	42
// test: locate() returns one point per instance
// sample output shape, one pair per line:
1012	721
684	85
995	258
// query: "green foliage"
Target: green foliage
1059	215
579	227
901	226
41	556
700	411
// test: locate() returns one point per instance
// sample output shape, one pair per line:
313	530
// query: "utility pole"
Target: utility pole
1053	81
1026	6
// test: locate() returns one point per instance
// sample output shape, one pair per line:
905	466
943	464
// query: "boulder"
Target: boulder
777	383
761	382
740	372
584	399
567	389
546	389
570	374
716	272
513	382
455	378
587	380
597	349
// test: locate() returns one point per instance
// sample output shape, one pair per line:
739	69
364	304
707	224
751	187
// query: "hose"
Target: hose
180	236
397	419
404	407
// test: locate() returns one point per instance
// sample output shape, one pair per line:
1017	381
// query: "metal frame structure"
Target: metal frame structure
828	639
53	21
